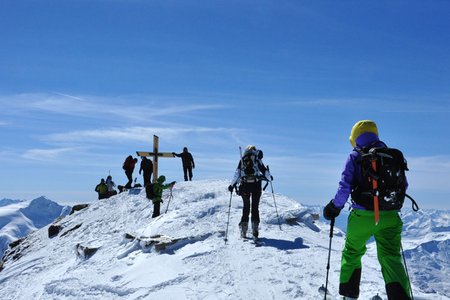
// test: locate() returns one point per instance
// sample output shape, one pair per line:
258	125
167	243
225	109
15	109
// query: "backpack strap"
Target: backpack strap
414	205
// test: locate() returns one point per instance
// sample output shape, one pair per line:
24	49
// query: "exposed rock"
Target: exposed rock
163	242
78	207
53	230
71	229
16	243
15	251
85	252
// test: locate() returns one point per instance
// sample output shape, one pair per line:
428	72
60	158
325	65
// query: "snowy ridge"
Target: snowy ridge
18	218
193	262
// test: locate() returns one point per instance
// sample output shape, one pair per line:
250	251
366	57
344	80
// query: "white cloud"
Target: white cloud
381	104
327	102
438	163
101	107
46	154
135	134
429	173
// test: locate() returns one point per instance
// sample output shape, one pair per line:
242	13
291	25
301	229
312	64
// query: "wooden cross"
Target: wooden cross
155	154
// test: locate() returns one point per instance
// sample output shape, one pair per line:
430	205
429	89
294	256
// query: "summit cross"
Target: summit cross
155	155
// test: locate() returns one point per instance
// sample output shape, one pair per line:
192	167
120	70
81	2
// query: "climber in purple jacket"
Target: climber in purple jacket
361	225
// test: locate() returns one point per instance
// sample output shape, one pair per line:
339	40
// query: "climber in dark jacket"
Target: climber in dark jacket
102	189
147	168
188	163
128	166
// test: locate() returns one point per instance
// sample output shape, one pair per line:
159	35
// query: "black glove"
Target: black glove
230	188
330	211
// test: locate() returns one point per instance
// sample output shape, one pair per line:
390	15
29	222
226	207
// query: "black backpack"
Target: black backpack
386	166
249	166
149	191
127	163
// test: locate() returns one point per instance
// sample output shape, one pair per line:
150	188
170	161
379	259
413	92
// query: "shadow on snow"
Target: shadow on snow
283	244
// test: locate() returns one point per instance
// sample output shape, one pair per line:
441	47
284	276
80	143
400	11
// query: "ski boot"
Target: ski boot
255	230
243	226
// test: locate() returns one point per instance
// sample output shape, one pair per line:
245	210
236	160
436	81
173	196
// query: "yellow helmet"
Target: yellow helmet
250	147
362	127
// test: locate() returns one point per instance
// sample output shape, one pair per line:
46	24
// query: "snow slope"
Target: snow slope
18	218
290	264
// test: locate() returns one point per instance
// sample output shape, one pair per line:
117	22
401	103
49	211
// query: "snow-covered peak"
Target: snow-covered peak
18	218
42	211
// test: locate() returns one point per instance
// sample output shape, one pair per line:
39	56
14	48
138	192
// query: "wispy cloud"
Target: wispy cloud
326	102
380	103
429	173
101	107
68	96
438	163
46	154
136	134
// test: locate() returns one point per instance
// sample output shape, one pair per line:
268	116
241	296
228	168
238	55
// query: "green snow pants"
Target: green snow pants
361	226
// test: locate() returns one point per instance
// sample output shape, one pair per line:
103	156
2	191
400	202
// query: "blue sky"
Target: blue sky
85	83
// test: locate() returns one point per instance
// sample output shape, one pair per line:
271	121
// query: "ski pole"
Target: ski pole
275	203
276	209
406	270
329	255
228	221
170	197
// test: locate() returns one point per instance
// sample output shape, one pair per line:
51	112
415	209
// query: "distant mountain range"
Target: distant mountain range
20	217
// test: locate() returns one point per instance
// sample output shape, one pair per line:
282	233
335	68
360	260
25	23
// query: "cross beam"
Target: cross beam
155	155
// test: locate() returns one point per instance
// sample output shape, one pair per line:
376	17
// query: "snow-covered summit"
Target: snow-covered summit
43	211
20	217
113	249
